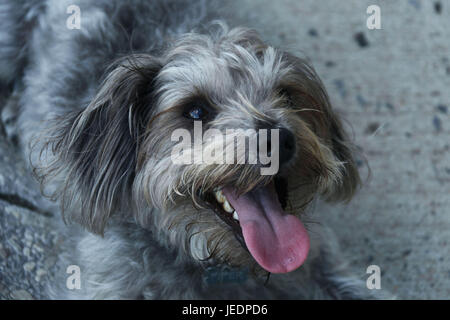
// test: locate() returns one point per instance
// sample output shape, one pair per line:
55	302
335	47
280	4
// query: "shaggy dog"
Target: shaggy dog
97	106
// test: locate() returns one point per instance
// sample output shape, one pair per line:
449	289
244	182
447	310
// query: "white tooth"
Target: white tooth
235	216
219	196
227	207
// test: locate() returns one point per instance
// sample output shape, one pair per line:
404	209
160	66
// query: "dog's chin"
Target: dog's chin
277	241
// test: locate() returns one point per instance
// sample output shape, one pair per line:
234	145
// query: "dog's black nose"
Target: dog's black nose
287	145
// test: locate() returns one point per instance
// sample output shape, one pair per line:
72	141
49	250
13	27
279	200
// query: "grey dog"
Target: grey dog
96	106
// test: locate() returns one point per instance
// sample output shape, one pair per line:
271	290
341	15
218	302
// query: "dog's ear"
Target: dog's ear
94	150
309	93
344	151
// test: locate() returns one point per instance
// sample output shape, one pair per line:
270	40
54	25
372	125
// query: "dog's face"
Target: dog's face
118	152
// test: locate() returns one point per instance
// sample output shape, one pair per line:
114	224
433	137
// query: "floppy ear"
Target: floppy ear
309	92
343	150
94	151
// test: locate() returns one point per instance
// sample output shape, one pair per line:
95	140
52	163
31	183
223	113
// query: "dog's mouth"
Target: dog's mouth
278	241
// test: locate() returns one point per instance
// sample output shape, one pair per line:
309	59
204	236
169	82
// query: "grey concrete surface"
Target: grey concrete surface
28	241
391	85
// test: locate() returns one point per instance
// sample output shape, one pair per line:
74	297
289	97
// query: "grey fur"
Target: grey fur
97	106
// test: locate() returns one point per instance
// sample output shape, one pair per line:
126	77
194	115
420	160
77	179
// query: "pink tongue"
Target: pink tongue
278	241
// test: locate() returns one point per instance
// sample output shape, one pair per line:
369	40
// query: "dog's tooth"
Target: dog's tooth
235	216
227	207
219	196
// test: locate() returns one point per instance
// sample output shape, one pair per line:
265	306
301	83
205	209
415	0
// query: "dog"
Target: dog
96	108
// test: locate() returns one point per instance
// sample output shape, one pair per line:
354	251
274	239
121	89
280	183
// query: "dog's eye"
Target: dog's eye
196	113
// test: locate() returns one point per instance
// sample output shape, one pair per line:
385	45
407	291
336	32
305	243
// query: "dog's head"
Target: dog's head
119	155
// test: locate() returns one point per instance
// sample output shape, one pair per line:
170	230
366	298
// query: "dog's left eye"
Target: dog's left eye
196	113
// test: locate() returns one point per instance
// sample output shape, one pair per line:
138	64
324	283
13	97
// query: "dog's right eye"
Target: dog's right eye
196	113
